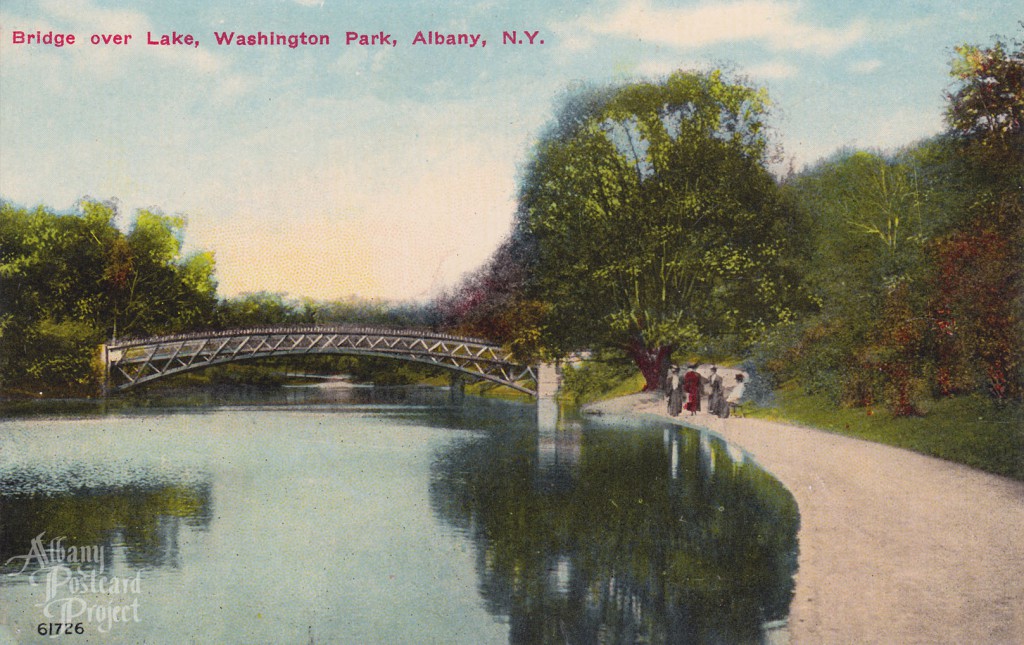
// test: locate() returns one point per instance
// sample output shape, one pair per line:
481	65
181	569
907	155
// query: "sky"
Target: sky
388	171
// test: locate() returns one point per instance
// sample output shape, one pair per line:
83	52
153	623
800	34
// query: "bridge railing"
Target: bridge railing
119	343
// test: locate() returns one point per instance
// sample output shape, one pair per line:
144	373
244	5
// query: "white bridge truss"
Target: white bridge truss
137	361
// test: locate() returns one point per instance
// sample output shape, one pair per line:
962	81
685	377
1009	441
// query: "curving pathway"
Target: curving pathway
895	547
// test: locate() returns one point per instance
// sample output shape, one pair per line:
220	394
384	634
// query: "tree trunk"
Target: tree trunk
653	363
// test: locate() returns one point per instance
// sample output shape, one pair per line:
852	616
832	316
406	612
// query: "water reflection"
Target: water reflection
142	522
268	524
203	400
606	535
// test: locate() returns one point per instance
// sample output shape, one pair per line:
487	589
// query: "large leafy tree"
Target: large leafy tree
655	222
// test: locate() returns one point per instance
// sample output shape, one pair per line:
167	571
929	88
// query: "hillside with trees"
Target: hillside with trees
916	261
649	227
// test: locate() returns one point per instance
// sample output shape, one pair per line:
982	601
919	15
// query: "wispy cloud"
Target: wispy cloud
654	68
773	70
865	66
776	24
86	15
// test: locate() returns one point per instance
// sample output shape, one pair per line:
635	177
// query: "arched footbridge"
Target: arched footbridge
133	362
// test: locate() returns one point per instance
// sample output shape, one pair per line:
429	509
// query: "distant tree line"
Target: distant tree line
650	228
71	281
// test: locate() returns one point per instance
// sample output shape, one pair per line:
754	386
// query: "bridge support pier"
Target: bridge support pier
456	388
549	380
103	372
547	415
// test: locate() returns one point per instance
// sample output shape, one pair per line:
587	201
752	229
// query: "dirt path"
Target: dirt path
895	547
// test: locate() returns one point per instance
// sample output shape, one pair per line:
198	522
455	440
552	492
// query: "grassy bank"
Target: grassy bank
599	380
495	391
968	430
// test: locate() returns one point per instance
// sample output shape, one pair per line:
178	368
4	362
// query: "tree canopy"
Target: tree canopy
70	281
655	221
987	102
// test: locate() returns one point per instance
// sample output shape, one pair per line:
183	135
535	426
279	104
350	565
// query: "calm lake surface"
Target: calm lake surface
335	515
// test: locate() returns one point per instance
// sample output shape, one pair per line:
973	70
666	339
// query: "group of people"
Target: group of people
685	392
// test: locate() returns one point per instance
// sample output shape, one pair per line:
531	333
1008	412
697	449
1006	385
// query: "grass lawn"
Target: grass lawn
968	430
631	385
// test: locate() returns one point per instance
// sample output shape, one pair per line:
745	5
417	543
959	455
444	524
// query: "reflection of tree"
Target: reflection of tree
624	552
145	519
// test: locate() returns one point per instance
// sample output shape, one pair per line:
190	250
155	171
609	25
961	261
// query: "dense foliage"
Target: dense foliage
69	281
494	303
917	256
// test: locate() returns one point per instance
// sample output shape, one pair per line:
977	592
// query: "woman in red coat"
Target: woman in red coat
691	383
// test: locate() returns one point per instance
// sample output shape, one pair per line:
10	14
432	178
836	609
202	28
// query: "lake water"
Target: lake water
384	516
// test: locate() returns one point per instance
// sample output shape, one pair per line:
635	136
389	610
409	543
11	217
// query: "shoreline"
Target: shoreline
894	546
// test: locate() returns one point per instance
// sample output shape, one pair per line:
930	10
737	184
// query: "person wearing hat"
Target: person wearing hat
732	401
716	400
674	391
691	383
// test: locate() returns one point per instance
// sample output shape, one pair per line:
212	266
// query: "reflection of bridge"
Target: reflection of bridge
133	362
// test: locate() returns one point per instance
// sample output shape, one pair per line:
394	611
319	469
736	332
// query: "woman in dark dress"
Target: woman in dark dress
691	383
674	392
716	402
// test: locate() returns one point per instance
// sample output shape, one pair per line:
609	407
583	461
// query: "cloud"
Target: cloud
865	66
773	70
656	68
86	15
776	24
